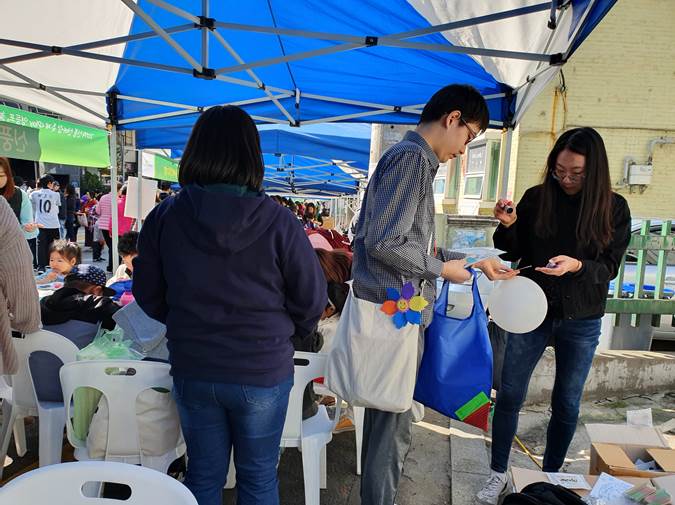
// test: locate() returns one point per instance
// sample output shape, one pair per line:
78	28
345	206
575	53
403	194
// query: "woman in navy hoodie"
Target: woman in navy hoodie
233	277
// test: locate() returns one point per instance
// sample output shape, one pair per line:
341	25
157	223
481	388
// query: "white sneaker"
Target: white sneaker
493	488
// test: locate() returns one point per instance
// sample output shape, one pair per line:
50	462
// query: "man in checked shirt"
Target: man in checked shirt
395	228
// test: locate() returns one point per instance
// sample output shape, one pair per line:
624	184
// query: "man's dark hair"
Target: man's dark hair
128	243
224	147
46	180
165	186
18	181
462	97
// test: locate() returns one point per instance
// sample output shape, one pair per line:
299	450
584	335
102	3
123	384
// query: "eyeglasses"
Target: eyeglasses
472	134
560	175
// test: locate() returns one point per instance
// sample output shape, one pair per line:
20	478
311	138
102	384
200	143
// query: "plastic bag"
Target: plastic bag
109	344
455	376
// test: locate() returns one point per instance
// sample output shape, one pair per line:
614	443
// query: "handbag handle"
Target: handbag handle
442	300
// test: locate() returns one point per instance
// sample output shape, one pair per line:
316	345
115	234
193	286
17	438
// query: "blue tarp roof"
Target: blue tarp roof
288	61
340	74
300	174
331	141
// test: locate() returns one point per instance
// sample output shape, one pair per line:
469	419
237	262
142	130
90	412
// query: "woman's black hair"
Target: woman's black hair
128	243
464	98
594	225
224	147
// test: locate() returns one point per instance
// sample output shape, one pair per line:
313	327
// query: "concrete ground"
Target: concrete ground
426	475
470	447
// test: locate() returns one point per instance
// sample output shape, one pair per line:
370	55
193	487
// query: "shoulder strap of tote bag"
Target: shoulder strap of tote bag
442	300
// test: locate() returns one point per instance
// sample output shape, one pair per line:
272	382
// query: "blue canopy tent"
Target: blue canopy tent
345	142
298	160
339	159
158	63
293	174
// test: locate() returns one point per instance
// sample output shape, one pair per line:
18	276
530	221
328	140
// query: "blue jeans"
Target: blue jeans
216	417
575	343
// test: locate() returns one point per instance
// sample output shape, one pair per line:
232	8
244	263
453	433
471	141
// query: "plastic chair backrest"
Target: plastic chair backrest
63	483
23	392
121	393
308	366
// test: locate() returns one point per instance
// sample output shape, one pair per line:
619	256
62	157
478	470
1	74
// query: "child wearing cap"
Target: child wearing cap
74	311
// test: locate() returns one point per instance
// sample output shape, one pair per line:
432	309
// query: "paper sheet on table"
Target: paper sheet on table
641	417
611	490
476	254
568	480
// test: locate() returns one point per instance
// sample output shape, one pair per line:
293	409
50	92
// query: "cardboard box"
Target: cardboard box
632	443
625	435
618	460
667	483
522	477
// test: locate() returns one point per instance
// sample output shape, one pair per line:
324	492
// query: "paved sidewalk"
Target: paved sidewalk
470	446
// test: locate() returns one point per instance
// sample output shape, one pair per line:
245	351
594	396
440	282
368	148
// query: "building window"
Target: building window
454	168
439	186
475	171
493	162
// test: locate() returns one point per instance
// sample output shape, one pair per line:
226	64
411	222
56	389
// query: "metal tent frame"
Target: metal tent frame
209	28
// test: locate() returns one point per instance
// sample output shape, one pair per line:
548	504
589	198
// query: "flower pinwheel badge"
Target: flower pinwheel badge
404	307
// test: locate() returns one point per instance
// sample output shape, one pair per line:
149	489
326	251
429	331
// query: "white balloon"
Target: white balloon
518	305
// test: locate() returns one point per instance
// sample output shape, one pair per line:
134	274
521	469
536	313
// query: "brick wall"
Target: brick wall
622	82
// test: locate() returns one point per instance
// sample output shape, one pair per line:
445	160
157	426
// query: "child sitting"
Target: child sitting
74	311
63	256
128	250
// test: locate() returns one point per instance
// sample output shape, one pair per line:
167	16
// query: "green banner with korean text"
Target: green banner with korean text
29	136
155	166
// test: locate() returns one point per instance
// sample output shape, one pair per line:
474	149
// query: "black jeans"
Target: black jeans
108	241
32	245
45	239
71	230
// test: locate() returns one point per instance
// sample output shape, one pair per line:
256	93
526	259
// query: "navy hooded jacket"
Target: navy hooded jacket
233	276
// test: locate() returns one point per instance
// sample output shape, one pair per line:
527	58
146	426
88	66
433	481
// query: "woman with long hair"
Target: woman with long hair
574	230
20	203
234	278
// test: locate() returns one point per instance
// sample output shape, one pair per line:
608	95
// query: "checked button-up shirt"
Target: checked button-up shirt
396	225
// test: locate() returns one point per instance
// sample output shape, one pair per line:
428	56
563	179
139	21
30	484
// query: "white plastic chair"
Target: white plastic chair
64	483
121	392
359	414
311	435
24	403
18	428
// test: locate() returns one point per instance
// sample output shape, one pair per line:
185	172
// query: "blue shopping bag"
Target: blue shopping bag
455	376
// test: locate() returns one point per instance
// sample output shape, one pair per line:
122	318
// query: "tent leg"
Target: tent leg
503	192
140	191
113	193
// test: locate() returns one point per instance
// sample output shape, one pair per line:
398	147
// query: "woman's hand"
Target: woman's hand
560	265
500	212
495	270
455	271
29	227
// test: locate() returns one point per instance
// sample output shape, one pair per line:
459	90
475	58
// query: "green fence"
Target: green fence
649	250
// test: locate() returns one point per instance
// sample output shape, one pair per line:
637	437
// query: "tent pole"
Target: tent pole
165	36
97	43
253	76
205	35
113	194
51	92
453	25
139	202
503	192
